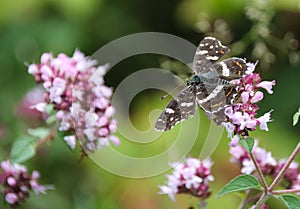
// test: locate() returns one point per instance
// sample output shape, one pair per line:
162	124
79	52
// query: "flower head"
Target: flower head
241	117
191	177
267	163
76	89
17	183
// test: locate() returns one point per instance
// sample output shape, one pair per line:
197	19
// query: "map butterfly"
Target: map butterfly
210	86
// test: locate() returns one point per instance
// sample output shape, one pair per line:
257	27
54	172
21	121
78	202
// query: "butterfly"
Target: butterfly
210	86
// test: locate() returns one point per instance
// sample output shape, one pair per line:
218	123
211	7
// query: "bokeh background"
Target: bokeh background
267	30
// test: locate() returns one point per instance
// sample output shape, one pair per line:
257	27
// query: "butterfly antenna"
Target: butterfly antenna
164	96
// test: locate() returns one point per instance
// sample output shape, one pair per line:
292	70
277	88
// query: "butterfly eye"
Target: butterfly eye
188	82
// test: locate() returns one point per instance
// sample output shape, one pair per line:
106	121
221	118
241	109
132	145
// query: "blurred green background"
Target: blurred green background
260	29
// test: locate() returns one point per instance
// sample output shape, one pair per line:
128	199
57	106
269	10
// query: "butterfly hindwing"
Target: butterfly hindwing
219	92
232	68
180	108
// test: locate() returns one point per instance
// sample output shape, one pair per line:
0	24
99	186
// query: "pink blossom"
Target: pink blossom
167	190
241	117
115	140
251	67
40	107
11	198
16	183
191	177
229	127
267	163
11	181
75	87
257	97
32	106
245	96
263	120
71	141
267	85
234	141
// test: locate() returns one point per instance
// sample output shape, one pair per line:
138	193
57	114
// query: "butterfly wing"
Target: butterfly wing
220	92
208	52
180	108
232	68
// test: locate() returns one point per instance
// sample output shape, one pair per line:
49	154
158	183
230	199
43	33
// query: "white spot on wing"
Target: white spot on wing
212	95
225	70
169	110
212	57
189	104
209	37
201	52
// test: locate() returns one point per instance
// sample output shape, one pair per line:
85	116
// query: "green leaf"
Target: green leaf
247	143
291	201
296	117
23	149
240	183
39	132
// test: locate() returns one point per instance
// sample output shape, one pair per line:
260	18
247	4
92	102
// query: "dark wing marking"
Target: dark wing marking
212	99
209	51
232	68
218	117
215	98
180	108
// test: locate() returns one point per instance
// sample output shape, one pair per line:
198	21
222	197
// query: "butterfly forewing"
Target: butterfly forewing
232	68
180	108
209	51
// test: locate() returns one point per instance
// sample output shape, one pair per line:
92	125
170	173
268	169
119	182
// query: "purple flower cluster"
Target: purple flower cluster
191	177
17	183
242	115
268	165
76	89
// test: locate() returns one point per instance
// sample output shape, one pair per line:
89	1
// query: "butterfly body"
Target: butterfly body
210	86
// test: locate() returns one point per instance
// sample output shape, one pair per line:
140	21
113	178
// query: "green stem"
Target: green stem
286	191
260	174
284	168
264	197
245	201
202	204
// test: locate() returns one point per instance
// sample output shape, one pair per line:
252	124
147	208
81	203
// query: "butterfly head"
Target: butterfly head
195	80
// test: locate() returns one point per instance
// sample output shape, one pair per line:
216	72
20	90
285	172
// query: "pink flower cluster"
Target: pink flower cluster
268	165
76	89
191	176
241	116
17	183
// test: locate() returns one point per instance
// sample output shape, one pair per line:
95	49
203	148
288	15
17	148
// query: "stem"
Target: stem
260	174
243	204
285	191
202	204
284	168
248	199
264	197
